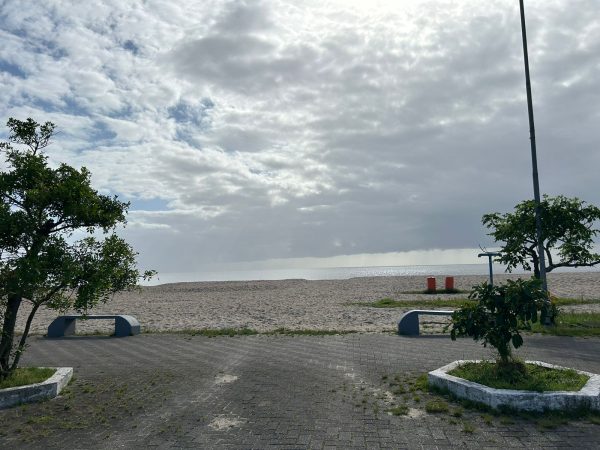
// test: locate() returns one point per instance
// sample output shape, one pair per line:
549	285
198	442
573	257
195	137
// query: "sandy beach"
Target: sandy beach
293	304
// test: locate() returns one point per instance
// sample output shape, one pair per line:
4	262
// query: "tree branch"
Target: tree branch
14	200
36	305
567	264
65	227
548	258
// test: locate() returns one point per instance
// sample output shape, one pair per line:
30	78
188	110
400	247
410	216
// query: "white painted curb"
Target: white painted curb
587	397
38	391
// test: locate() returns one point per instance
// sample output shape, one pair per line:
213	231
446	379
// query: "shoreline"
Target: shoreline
266	305
345	273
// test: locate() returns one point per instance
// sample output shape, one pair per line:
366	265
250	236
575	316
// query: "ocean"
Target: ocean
339	273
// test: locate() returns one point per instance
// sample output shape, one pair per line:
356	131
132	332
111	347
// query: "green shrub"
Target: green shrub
500	313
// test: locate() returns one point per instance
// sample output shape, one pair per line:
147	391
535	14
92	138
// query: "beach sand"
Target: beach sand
292	304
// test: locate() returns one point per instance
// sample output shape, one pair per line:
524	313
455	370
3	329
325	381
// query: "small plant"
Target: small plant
468	427
421	383
487	419
399	390
400	410
551	422
500	313
595	419
436	406
457	412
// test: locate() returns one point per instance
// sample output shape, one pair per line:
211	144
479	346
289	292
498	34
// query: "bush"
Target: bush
501	312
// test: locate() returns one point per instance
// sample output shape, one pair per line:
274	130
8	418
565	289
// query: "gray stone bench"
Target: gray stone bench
65	325
408	324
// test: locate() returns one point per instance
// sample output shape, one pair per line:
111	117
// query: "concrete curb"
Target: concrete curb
38	391
587	397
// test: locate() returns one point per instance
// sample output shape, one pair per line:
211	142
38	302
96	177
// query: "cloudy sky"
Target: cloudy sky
245	131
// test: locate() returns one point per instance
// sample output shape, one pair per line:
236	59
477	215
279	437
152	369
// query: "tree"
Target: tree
40	261
500	313
567	228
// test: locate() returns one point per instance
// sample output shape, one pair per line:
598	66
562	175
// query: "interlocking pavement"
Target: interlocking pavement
284	392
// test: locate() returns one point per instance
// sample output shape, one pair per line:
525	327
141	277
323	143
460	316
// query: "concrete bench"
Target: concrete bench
408	324
65	325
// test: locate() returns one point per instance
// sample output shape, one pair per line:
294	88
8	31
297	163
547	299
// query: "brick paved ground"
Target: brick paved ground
177	391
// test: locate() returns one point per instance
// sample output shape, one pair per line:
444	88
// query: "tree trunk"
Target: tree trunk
8	333
536	266
21	346
504	352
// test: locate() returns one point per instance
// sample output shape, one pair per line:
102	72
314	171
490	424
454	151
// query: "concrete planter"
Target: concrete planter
38	391
588	396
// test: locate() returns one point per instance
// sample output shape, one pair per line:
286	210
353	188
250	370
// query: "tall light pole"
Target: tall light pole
536	183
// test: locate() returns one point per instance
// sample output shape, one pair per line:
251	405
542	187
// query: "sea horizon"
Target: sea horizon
341	273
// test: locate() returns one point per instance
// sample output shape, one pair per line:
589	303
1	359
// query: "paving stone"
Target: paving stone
175	391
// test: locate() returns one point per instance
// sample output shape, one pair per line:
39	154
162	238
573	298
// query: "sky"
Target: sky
284	133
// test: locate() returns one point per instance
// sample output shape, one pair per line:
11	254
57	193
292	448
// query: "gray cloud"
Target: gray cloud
275	129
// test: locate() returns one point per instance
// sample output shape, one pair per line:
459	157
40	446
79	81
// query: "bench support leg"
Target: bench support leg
61	326
124	327
409	325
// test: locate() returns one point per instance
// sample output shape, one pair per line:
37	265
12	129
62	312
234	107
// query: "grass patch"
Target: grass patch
551	422
528	377
421	383
436	407
565	301
289	332
399	390
400	410
389	303
572	324
27	375
214	332
506	420
468	427
459	302
457	412
594	418
437	291
487	419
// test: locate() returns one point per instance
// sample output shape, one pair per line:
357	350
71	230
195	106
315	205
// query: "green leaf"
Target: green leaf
517	340
41	206
567	229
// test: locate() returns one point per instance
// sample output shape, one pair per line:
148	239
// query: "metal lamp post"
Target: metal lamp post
536	184
490	256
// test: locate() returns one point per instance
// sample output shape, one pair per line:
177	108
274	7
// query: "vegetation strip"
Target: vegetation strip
27	375
438	302
459	302
210	332
572	324
518	376
568	324
437	291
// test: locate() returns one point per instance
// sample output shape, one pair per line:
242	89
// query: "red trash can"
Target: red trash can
449	283
431	284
